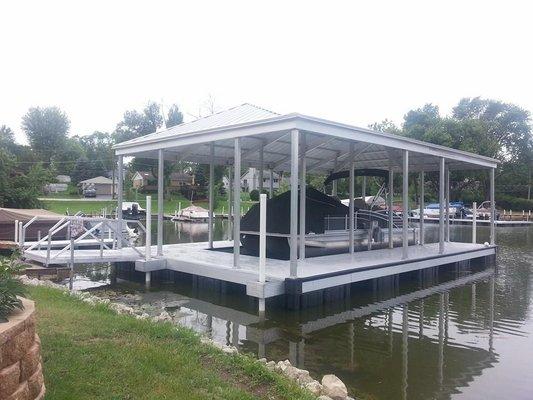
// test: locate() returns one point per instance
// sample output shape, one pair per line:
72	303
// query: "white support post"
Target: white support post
334	183
120	190
405	201
391	198
16	233
237	203
160	201
351	207
230	202
211	193
441	204
294	204
447	204
261	167
302	196
422	207
363	189
262	236
492	208
71	272
474	222
271	186
148	241
21	234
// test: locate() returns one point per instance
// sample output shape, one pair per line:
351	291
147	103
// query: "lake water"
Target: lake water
451	334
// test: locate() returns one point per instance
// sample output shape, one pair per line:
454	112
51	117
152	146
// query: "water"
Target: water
455	334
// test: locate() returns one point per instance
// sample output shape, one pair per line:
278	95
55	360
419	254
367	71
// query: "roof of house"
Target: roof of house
180	175
98	180
329	145
144	174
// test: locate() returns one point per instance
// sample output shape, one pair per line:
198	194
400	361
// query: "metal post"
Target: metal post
120	178
303	169
211	193
351	208
334	183
16	238
262	236
391	198
405	201
447	204
492	208
160	201
237	203
422	206
71	272
39	240
474	222
271	186
261	167
363	189
21	234
230	203
441	205
148	242
294	204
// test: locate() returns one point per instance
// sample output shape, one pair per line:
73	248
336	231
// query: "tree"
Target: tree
135	124
385	126
99	146
174	117
46	130
65	161
7	136
82	170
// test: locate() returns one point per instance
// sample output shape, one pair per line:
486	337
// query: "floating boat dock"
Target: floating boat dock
250	136
481	222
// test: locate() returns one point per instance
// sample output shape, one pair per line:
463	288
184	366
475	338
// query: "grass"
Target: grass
169	205
92	353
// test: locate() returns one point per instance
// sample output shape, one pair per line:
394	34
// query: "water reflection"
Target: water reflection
461	333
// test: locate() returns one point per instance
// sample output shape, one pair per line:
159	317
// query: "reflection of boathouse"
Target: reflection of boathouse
408	338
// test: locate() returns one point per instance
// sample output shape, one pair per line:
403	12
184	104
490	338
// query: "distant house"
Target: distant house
250	180
142	179
181	179
63	179
102	185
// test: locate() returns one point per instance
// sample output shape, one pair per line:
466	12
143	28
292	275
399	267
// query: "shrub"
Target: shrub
10	286
254	195
513	203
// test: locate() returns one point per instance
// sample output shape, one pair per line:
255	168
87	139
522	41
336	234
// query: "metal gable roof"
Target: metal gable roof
236	115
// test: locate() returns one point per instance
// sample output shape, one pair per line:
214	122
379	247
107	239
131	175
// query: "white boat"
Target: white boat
192	214
369	201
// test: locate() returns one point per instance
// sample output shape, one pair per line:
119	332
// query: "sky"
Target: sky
355	62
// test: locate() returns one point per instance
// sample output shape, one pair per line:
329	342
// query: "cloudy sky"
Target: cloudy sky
351	61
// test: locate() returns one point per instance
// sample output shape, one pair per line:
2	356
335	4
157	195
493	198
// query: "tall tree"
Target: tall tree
99	146
174	117
46	129
135	124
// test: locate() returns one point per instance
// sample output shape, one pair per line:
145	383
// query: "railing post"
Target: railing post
474	222
21	234
148	243
16	233
39	240
71	272
49	246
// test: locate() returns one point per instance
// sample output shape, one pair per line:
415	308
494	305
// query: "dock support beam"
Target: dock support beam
211	192
302	196
120	190
295	134
230	202
237	204
405	204
334	183
474	222
148	240
363	189
391	198
351	184
492	208
422	238
160	189
441	204
262	247
261	166
271	186
447	204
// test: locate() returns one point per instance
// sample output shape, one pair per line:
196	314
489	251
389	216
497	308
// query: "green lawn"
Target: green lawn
169	205
92	353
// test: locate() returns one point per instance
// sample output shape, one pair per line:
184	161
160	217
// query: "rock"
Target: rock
314	387
324	397
271	365
262	360
229	350
281	366
334	387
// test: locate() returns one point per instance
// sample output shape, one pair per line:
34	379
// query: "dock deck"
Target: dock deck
314	273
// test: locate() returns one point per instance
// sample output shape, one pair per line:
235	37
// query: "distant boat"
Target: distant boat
132	210
432	210
192	214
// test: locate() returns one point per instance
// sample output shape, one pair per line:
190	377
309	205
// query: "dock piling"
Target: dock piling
148	243
474	222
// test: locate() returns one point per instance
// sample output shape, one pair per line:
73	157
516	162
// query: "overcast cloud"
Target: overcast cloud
353	62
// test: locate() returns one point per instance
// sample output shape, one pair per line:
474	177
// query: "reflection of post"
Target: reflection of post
228	332
235	335
421	320
405	353
473	304
293	353
491	314
441	340
389	329
209	324
261	350
351	328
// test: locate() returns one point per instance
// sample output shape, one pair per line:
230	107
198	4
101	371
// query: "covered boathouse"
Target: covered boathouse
249	136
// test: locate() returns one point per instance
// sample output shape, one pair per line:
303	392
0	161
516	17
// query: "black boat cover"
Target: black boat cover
358	172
